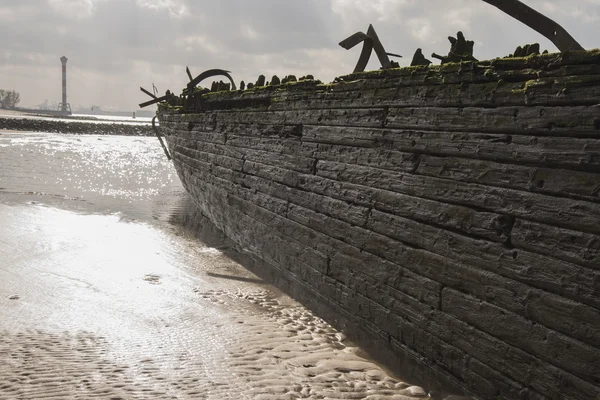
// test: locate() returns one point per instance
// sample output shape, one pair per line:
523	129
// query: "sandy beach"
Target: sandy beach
93	309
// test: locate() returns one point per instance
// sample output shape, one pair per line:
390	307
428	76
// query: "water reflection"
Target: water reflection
92	173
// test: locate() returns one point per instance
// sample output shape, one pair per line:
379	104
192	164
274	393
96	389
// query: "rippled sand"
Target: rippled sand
287	354
97	306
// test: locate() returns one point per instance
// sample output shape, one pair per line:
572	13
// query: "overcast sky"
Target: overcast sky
115	46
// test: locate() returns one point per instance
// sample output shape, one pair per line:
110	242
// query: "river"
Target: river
105	294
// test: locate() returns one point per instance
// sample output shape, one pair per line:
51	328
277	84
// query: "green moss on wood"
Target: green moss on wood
527	73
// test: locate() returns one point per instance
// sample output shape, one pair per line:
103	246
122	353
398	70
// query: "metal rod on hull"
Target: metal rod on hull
538	22
371	43
160	138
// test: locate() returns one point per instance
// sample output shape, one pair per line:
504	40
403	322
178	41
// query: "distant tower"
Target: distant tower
64	106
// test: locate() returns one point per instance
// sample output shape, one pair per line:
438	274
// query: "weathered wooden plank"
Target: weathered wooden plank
380	158
198	173
286	133
300	227
177	140
480	378
286	159
508	70
585	185
274	145
488	225
524	368
440	356
579	121
379	270
407	77
315	220
362	301
570	317
567	91
263	242
547	61
429	337
371	117
210	158
351	213
485	224
550	310
577	153
205	121
261	130
262	200
564	315
569	245
549	151
372	157
330	236
185	161
281	175
565	152
219	149
407	301
568	213
266	238
540	271
420	228
208	136
561	351
428	264
351	259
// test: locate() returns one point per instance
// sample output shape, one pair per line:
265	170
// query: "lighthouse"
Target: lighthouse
64	106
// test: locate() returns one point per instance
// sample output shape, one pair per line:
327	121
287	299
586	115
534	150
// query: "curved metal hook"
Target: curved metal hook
157	133
209	73
538	22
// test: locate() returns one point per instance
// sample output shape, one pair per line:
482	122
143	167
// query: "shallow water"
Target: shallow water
102	296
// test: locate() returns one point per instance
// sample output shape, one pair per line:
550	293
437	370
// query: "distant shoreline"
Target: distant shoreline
14	120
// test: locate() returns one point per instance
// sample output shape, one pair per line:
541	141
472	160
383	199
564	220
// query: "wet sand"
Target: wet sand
102	297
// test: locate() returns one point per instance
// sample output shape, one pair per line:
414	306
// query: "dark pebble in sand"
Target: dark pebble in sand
153	279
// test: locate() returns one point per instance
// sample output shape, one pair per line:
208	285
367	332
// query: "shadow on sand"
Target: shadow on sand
418	372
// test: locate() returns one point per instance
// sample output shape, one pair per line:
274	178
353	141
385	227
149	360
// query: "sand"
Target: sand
85	314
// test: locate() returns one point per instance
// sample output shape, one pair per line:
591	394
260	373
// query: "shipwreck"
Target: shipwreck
450	213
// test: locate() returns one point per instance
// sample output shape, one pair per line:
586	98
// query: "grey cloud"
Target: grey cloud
122	44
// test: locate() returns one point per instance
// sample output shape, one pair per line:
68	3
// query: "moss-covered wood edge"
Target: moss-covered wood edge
533	71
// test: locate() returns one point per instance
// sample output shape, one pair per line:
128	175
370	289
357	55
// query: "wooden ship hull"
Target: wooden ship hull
453	211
